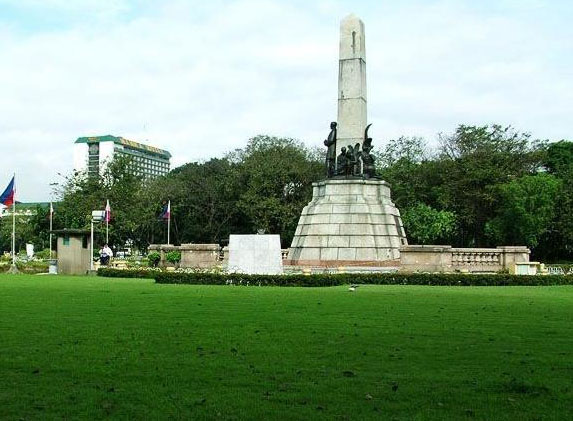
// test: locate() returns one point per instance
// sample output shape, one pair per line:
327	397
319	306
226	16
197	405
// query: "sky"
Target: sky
199	78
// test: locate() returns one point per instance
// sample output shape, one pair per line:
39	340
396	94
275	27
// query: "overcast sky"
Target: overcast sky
199	78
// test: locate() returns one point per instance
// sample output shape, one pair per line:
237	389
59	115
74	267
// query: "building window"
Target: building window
66	240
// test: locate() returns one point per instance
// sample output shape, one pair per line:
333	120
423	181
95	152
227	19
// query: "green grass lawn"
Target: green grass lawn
79	347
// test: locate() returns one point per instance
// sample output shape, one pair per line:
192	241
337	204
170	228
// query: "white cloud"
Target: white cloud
200	78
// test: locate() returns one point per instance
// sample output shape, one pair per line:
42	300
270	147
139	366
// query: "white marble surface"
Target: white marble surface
255	254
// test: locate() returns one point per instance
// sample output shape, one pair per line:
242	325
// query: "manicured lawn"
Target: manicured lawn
78	347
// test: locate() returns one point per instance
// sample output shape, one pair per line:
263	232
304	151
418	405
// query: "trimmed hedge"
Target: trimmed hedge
325	280
127	273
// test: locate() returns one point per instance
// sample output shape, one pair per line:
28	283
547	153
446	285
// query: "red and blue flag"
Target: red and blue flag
7	198
107	212
166	211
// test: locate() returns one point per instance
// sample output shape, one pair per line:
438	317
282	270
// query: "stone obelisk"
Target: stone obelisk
351	219
351	83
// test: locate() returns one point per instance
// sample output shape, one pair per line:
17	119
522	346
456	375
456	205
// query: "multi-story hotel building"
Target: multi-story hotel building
91	154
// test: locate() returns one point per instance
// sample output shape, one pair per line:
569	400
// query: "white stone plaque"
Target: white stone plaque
255	254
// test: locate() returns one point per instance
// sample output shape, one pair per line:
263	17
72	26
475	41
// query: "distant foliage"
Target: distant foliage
481	186
263	186
425	225
526	210
493	180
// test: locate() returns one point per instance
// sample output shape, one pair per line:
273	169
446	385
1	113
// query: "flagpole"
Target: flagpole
168	221
107	218
14	227
51	224
14	232
92	244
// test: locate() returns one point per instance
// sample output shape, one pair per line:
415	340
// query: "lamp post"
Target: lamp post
97	216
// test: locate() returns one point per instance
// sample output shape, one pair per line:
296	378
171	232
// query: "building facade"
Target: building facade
92	154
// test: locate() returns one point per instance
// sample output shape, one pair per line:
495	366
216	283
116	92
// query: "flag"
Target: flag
107	212
51	210
166	213
7	198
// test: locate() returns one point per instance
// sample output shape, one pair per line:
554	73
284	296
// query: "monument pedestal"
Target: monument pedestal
348	222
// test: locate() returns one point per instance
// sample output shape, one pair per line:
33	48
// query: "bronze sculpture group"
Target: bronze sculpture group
351	162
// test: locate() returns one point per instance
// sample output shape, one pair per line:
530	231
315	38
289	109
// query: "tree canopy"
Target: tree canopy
481	186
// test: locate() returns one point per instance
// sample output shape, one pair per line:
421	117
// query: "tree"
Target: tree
262	186
473	159
559	158
24	232
37	227
204	200
558	243
404	163
525	211
425	225
81	194
276	175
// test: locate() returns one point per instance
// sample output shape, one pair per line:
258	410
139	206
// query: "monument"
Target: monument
351	219
255	254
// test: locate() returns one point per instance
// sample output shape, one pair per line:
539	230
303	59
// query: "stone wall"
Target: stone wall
162	249
199	255
192	255
434	258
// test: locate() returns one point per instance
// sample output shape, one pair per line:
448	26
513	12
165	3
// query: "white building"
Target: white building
91	154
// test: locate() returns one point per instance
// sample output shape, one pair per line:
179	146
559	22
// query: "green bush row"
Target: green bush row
324	280
127	273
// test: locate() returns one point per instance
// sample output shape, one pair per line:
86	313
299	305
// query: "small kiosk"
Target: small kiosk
73	251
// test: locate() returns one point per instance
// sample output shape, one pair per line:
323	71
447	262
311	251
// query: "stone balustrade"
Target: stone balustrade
447	259
480	260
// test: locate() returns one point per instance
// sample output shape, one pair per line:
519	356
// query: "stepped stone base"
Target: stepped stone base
348	222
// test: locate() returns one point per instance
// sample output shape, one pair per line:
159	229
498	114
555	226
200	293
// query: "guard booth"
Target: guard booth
73	251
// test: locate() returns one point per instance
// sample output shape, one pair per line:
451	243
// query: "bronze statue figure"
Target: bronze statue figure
341	162
350	160
357	160
330	143
368	168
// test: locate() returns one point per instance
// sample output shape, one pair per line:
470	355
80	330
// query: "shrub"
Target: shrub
173	257
153	258
31	267
142	272
323	280
44	254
